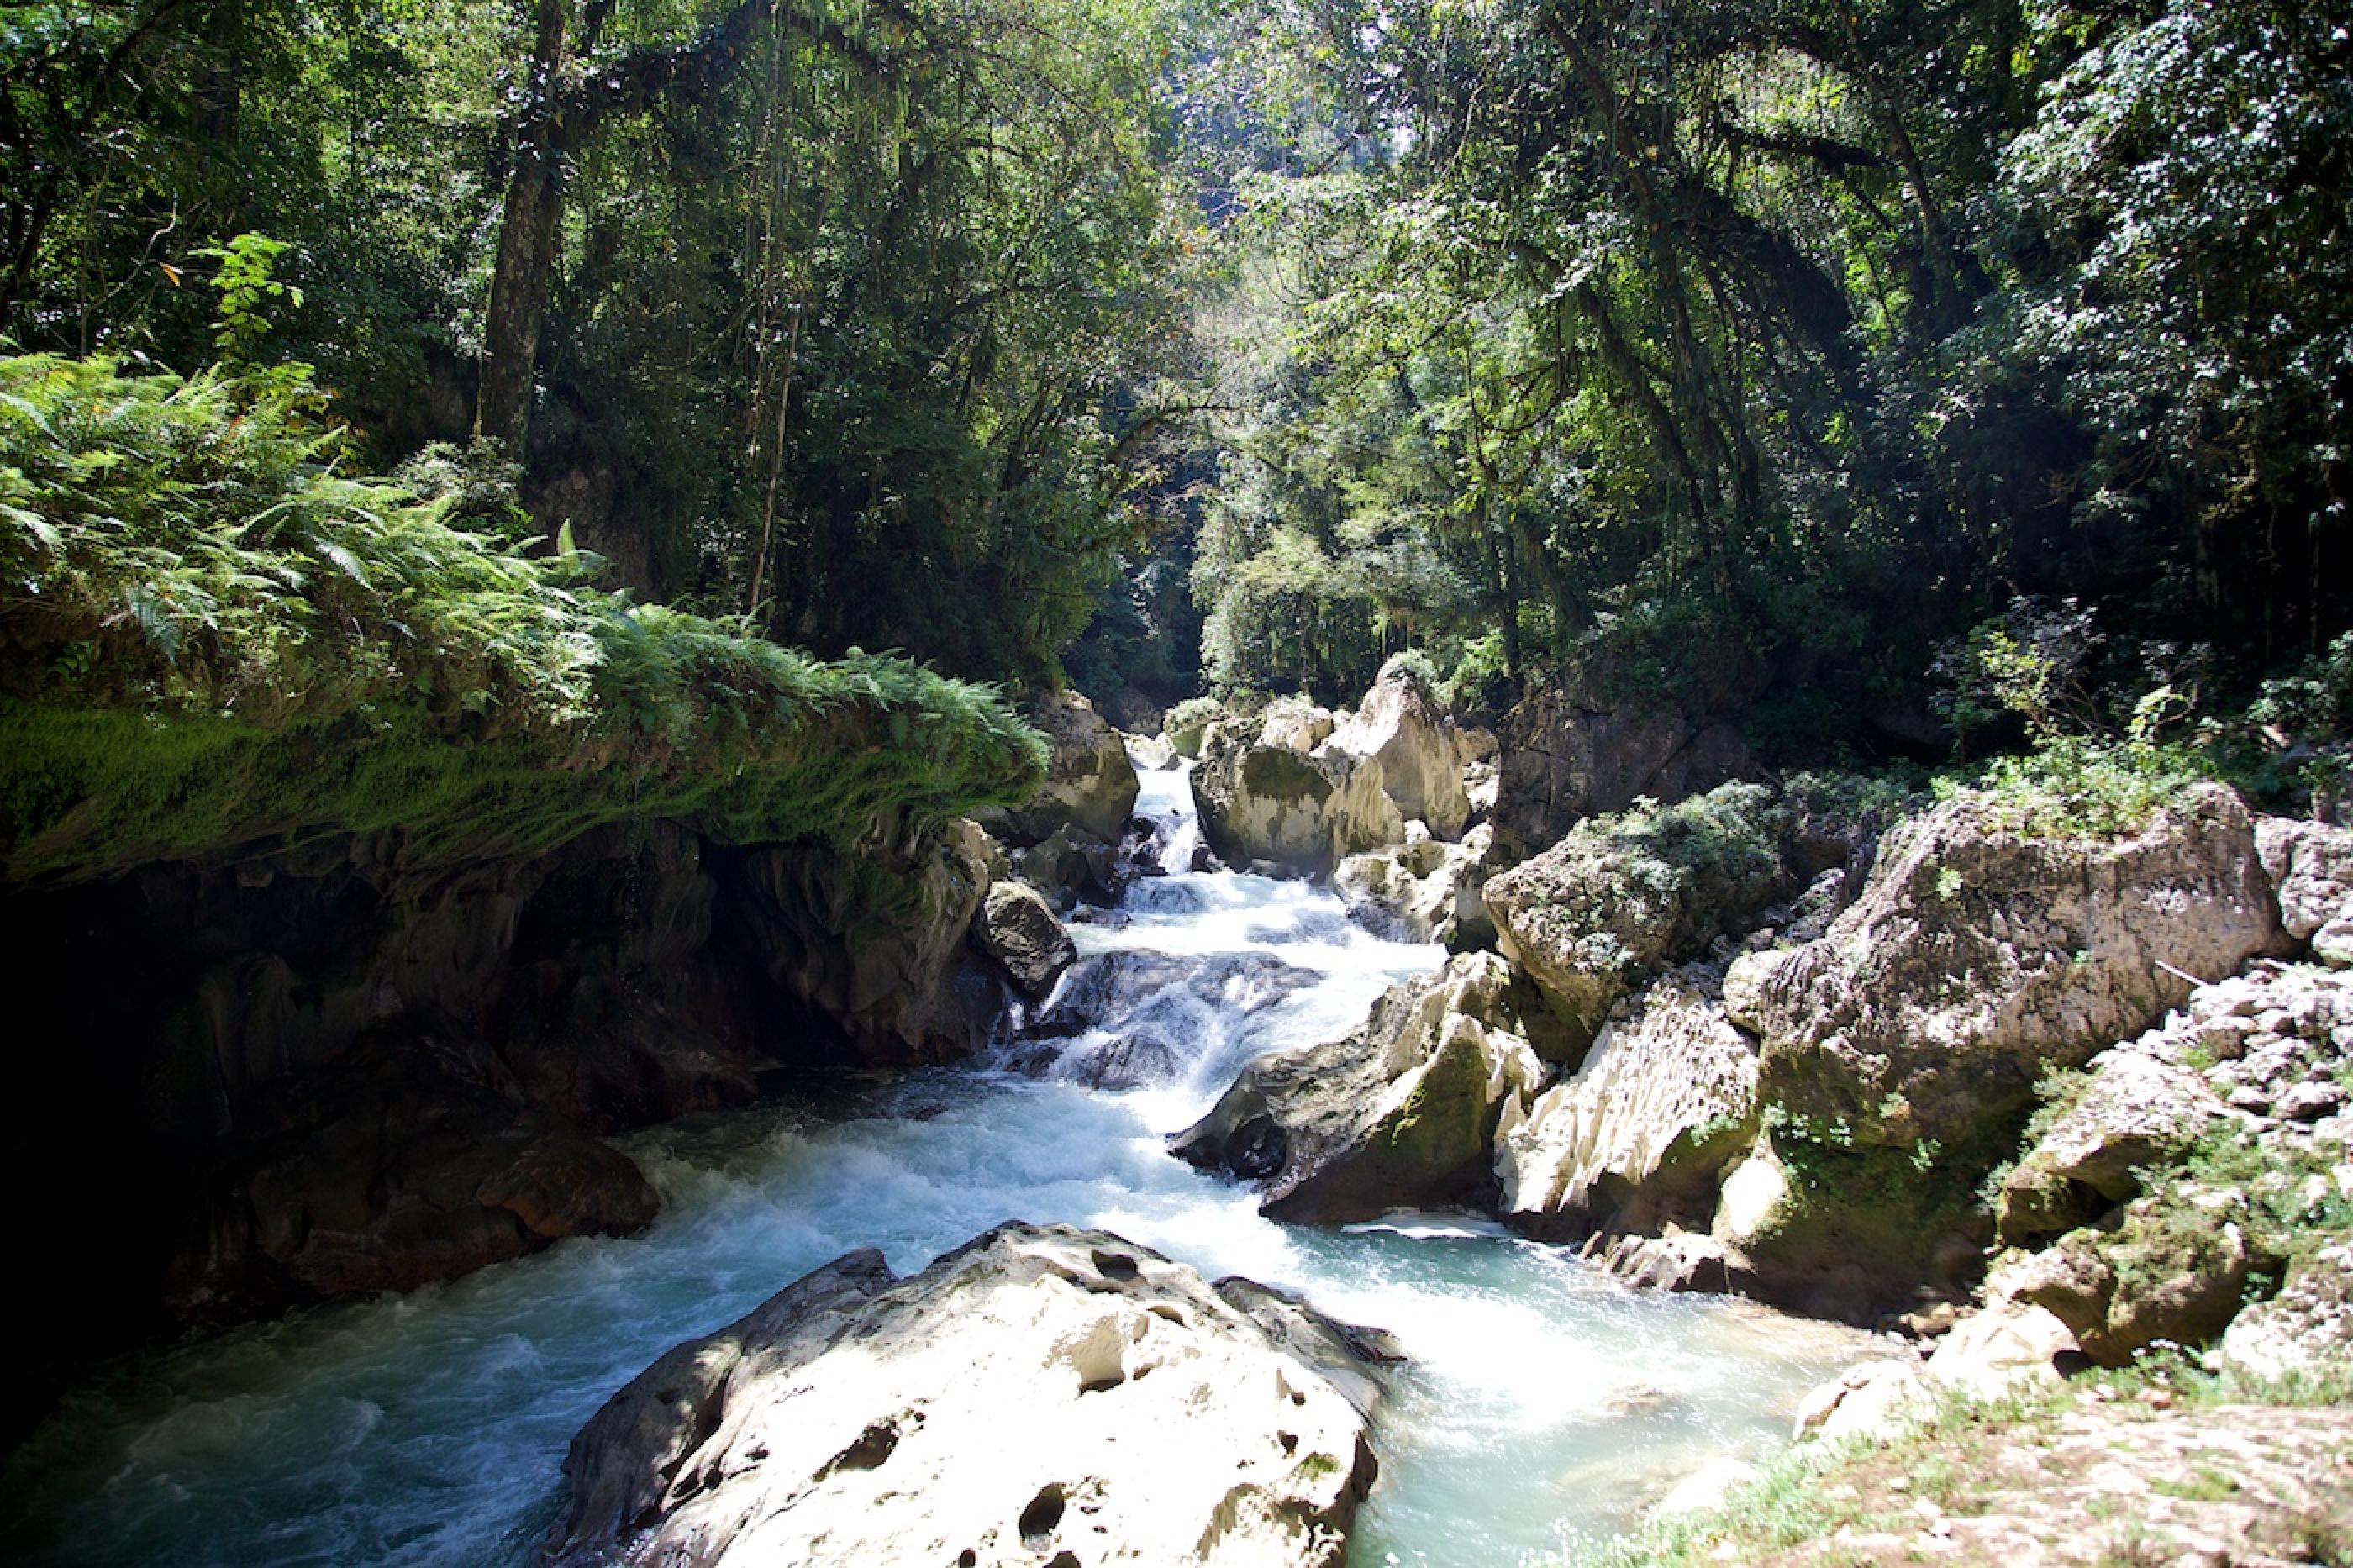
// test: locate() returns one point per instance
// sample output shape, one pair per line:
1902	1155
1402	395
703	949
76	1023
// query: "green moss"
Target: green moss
1887	1208
1279	773
215	643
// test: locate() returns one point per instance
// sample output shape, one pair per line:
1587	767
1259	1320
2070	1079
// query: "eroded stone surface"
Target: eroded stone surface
2311	865
2307	1331
1040	1395
1976	958
1400	1113
1641	1133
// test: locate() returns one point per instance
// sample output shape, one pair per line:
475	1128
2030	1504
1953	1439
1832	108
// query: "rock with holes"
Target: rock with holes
1041	1395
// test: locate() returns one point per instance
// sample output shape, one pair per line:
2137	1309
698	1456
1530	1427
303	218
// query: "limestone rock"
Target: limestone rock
1853	1233
395	1179
1152	753
1133	712
2010	1343
1678	1259
1070	865
1187	722
2305	1331
1091	785
1640	1134
1997	1351
1268	800
1619	896
1424	890
1041	1394
1401	1113
1568	755
1296	726
1871	1402
1016	928
2137	1112
1706	1489
1302	788
2311	865
1976	958
886	956
2163	1274
1399	729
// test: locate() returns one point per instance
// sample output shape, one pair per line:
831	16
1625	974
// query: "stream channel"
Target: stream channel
1545	1404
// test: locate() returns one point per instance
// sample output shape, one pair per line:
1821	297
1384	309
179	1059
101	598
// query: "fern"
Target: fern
278	648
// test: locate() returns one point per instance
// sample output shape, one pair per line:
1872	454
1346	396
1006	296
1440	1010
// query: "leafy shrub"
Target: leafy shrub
2076	787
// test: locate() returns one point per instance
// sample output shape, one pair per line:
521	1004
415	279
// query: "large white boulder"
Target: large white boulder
1399	726
1424	890
1401	1113
2311	867
1302	788
1979	956
1091	785
1640	1135
1041	1394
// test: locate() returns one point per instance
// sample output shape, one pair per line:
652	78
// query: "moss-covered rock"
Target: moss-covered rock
1977	958
2175	1269
1620	896
220	646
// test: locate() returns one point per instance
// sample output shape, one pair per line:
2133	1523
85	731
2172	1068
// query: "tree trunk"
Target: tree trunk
534	201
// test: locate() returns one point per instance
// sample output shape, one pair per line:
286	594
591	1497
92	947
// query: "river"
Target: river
1544	1404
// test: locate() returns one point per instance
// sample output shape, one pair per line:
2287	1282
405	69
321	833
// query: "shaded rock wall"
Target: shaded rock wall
304	1077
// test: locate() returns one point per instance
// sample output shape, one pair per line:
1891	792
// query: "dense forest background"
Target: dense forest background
1764	352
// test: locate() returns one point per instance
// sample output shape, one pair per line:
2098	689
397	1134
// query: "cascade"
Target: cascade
1545	1401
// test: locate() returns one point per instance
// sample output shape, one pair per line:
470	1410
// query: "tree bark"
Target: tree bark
527	220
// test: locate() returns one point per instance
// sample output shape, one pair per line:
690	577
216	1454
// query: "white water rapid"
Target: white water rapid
1544	1404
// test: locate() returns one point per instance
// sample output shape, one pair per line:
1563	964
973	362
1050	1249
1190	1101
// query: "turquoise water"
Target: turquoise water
1544	1401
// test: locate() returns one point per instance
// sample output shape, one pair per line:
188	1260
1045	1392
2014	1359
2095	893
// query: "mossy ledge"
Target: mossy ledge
213	644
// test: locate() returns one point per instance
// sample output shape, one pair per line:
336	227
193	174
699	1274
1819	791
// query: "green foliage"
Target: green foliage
2028	663
2294	1206
2316	702
1414	662
217	639
2078	787
1700	345
876	307
246	287
1185	722
1733	831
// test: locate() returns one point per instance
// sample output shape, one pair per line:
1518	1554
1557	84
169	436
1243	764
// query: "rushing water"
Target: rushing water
1544	1402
